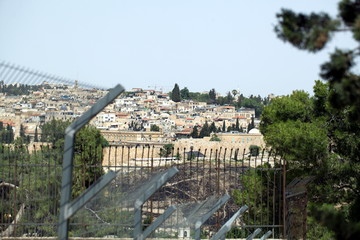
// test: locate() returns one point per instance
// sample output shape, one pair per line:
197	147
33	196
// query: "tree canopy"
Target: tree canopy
311	32
321	141
175	94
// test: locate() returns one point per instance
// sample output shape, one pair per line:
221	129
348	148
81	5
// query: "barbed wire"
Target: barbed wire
15	74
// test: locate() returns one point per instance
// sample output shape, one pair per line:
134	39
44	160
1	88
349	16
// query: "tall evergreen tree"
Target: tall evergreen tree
204	132
175	93
9	134
229	98
237	128
311	32
212	95
22	132
195	132
224	126
36	137
184	93
212	128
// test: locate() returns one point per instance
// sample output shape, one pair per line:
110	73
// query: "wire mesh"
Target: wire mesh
12	75
37	175
30	175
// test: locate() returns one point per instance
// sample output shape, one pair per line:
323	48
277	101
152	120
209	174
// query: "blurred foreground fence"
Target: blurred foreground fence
30	182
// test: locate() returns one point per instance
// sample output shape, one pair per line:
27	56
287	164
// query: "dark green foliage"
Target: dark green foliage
7	134
297	106
88	155
237	126
255	102
331	218
215	138
24	138
36	137
53	131
320	141
18	89
310	32
223	126
39	187
154	128
212	95
212	128
195	132
229	129
254	150
167	150
184	93
175	94
349	11
205	131
227	100
338	66
334	120
199	97
256	183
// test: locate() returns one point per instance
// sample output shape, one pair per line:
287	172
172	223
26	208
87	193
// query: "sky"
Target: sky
198	44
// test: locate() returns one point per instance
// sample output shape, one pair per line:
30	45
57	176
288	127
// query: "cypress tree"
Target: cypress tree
212	128
195	132
204	131
36	137
175	94
224	127
22	132
212	95
237	125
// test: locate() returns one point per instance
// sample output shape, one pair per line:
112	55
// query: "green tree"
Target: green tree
36	136
175	93
311	32
215	138
254	150
224	126
234	92
212	95
212	128
154	128
167	150
195	132
204	132
184	93
88	156
8	135
229	98
53	130
320	141
237	125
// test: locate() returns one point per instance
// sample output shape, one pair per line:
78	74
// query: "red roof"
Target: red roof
240	117
11	123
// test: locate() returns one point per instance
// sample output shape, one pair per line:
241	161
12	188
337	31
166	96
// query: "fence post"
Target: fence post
66	183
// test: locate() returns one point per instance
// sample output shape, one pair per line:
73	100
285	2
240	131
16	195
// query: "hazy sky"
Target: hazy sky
199	44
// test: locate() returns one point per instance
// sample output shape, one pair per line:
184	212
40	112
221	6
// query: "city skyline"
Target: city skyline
199	45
